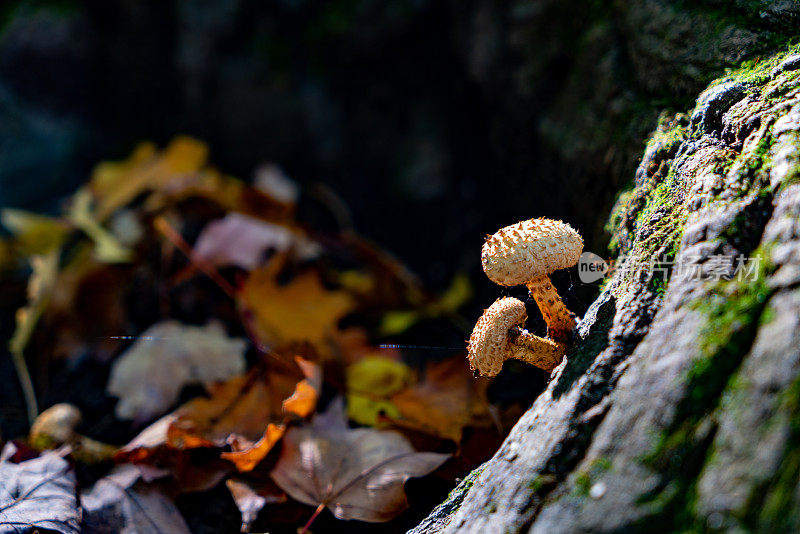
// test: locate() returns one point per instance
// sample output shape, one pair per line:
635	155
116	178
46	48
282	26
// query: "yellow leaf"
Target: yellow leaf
366	411
370	382
302	310
40	287
457	294
397	322
377	377
117	184
107	248
35	234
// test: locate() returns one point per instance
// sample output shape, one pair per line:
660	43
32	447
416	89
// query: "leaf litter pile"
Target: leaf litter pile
198	348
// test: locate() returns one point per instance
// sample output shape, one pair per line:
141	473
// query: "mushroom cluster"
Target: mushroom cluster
525	253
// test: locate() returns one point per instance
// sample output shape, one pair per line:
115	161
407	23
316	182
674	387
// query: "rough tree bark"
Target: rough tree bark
678	409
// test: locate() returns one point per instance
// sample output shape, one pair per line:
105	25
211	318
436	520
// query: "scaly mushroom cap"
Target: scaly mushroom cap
488	344
529	249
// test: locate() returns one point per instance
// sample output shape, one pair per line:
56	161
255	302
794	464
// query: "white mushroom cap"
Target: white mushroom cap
488	344
55	426
529	249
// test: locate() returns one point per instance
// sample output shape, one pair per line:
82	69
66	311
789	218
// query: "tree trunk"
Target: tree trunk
678	408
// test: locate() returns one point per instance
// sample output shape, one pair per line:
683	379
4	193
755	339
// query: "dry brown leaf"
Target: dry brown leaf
145	445
244	406
445	402
357	474
149	376
302	310
152	454
239	409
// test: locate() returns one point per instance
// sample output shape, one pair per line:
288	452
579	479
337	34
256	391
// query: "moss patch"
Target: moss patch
584	480
732	316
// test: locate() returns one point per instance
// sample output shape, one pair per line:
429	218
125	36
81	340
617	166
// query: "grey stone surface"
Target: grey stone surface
677	409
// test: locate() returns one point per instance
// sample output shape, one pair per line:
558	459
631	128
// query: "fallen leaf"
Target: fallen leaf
251	496
145	445
41	285
370	411
370	383
149	376
107	248
457	294
303	401
116	184
153	455
241	409
119	502
38	494
398	321
243	241
273	181
247	456
243	405
84	309
34	233
227	192
357	474
445	402
301	310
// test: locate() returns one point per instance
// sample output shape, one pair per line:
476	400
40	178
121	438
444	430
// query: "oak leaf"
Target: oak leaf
357	474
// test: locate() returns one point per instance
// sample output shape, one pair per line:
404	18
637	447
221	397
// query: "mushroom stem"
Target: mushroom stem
539	352
560	321
56	426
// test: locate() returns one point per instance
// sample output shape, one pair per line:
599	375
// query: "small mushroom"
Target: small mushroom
497	337
55	427
526	253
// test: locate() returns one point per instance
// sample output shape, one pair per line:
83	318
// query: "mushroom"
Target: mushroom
497	337
526	253
56	426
